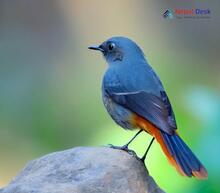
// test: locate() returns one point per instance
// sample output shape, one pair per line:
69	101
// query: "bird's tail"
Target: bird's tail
180	155
176	151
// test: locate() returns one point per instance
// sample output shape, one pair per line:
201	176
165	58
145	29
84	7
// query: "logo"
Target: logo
187	13
168	14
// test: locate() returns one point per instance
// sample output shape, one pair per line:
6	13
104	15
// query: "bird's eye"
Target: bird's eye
111	46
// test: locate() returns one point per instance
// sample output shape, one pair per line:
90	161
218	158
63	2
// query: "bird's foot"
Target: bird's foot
124	148
143	159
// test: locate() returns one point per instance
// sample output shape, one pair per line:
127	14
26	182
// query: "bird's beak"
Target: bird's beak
96	47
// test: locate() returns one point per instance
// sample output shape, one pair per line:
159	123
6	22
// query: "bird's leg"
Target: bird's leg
125	147
145	154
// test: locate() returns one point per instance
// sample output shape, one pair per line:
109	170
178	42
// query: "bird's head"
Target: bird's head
118	49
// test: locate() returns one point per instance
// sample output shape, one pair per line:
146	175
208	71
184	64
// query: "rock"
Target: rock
84	170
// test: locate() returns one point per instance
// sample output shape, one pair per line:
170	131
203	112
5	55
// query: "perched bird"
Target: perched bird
135	98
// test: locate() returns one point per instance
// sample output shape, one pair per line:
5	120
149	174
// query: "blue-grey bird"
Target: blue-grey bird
135	98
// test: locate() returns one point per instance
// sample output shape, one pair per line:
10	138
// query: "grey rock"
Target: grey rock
84	170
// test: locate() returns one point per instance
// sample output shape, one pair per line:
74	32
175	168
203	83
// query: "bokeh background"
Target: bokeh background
50	96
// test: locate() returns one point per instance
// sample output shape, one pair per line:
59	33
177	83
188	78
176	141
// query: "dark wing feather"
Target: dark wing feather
153	108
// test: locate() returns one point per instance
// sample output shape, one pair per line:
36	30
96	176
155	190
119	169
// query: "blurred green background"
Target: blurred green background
50	96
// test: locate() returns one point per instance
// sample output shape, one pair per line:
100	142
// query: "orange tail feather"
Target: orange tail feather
151	129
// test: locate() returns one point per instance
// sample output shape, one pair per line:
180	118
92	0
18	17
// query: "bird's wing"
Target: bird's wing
155	109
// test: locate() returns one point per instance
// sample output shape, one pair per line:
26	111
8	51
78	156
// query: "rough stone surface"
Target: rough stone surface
84	170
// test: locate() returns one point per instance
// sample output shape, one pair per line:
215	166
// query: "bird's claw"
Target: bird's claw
142	160
123	148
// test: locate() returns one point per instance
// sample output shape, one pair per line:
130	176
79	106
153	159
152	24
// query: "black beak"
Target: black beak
96	47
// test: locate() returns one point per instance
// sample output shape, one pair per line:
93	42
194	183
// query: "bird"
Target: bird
135	98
